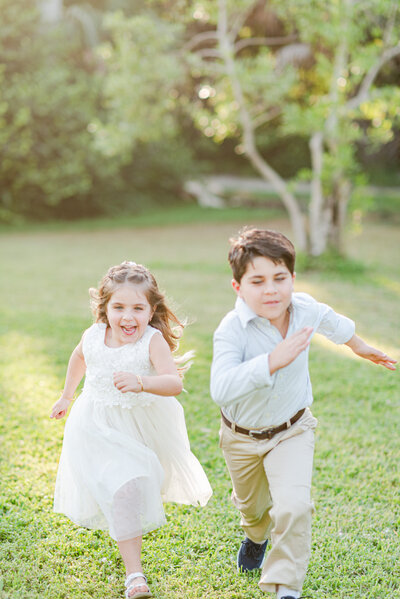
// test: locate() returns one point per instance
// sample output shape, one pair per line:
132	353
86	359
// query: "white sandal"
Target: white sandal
130	587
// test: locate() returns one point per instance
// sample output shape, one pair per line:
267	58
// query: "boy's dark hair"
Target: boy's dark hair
252	242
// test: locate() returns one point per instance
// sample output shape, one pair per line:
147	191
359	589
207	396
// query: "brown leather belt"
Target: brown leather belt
265	434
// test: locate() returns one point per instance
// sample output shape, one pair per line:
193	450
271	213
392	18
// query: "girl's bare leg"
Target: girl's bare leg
130	552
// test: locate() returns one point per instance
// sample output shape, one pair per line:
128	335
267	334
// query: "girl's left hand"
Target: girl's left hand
126	381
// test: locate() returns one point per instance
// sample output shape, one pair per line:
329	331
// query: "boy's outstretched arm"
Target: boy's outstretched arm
362	349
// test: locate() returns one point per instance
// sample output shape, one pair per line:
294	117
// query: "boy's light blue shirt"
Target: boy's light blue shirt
241	383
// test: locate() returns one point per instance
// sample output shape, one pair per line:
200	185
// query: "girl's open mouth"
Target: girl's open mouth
128	330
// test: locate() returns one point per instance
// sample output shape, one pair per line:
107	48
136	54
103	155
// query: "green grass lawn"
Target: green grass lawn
45	275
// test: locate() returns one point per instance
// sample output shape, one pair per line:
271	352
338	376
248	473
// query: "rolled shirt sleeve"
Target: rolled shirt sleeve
334	326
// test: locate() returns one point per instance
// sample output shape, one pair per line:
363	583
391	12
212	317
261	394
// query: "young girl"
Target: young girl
126	448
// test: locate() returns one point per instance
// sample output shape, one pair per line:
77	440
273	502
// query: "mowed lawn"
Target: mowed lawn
44	307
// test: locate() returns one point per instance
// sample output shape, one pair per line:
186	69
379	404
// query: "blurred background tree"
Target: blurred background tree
117	102
319	76
53	90
48	95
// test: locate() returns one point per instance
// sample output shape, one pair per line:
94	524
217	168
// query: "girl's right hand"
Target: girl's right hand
60	408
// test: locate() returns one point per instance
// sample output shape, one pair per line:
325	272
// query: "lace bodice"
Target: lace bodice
102	361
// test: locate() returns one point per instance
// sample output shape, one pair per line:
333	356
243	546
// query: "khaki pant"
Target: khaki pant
271	488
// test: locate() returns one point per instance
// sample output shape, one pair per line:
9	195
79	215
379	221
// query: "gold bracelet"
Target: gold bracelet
139	380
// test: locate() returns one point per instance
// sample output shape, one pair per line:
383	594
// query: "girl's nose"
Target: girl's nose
128	316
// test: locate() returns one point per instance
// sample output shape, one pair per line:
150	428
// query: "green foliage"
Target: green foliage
47	100
46	159
90	132
57	158
345	40
140	87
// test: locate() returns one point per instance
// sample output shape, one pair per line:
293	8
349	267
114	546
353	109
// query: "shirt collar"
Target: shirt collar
246	314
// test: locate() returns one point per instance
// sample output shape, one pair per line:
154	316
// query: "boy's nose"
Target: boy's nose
269	287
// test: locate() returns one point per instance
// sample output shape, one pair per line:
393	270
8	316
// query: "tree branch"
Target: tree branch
240	21
266	117
264	41
198	39
341	56
208	53
390	24
249	141
369	78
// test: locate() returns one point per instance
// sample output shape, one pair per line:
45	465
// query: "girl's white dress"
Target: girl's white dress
124	453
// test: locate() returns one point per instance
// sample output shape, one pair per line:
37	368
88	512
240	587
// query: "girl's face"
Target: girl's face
128	313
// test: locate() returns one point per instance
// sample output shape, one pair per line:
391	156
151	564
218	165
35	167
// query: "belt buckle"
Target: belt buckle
254	434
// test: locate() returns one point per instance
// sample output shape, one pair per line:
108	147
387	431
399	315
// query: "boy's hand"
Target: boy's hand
60	408
362	349
287	350
126	381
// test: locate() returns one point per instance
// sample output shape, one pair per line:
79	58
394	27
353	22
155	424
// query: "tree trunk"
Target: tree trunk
318	215
249	142
51	10
295	215
338	203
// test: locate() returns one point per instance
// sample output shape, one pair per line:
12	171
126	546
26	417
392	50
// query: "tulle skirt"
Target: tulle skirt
119	465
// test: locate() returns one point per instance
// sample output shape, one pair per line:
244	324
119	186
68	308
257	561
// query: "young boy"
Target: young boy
260	379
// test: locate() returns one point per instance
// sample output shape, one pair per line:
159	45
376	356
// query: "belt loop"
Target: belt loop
233	427
288	424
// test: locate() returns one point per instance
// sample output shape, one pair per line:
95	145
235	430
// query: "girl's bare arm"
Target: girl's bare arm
166	382
75	372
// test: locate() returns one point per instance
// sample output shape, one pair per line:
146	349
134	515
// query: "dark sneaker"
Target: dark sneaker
250	555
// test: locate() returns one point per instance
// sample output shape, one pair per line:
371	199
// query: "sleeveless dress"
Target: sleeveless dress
124	454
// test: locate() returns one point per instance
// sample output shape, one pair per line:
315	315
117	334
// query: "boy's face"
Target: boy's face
266	288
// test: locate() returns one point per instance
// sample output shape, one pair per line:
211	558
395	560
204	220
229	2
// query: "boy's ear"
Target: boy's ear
236	286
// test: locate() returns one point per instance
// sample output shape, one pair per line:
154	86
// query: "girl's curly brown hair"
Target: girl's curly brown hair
130	272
